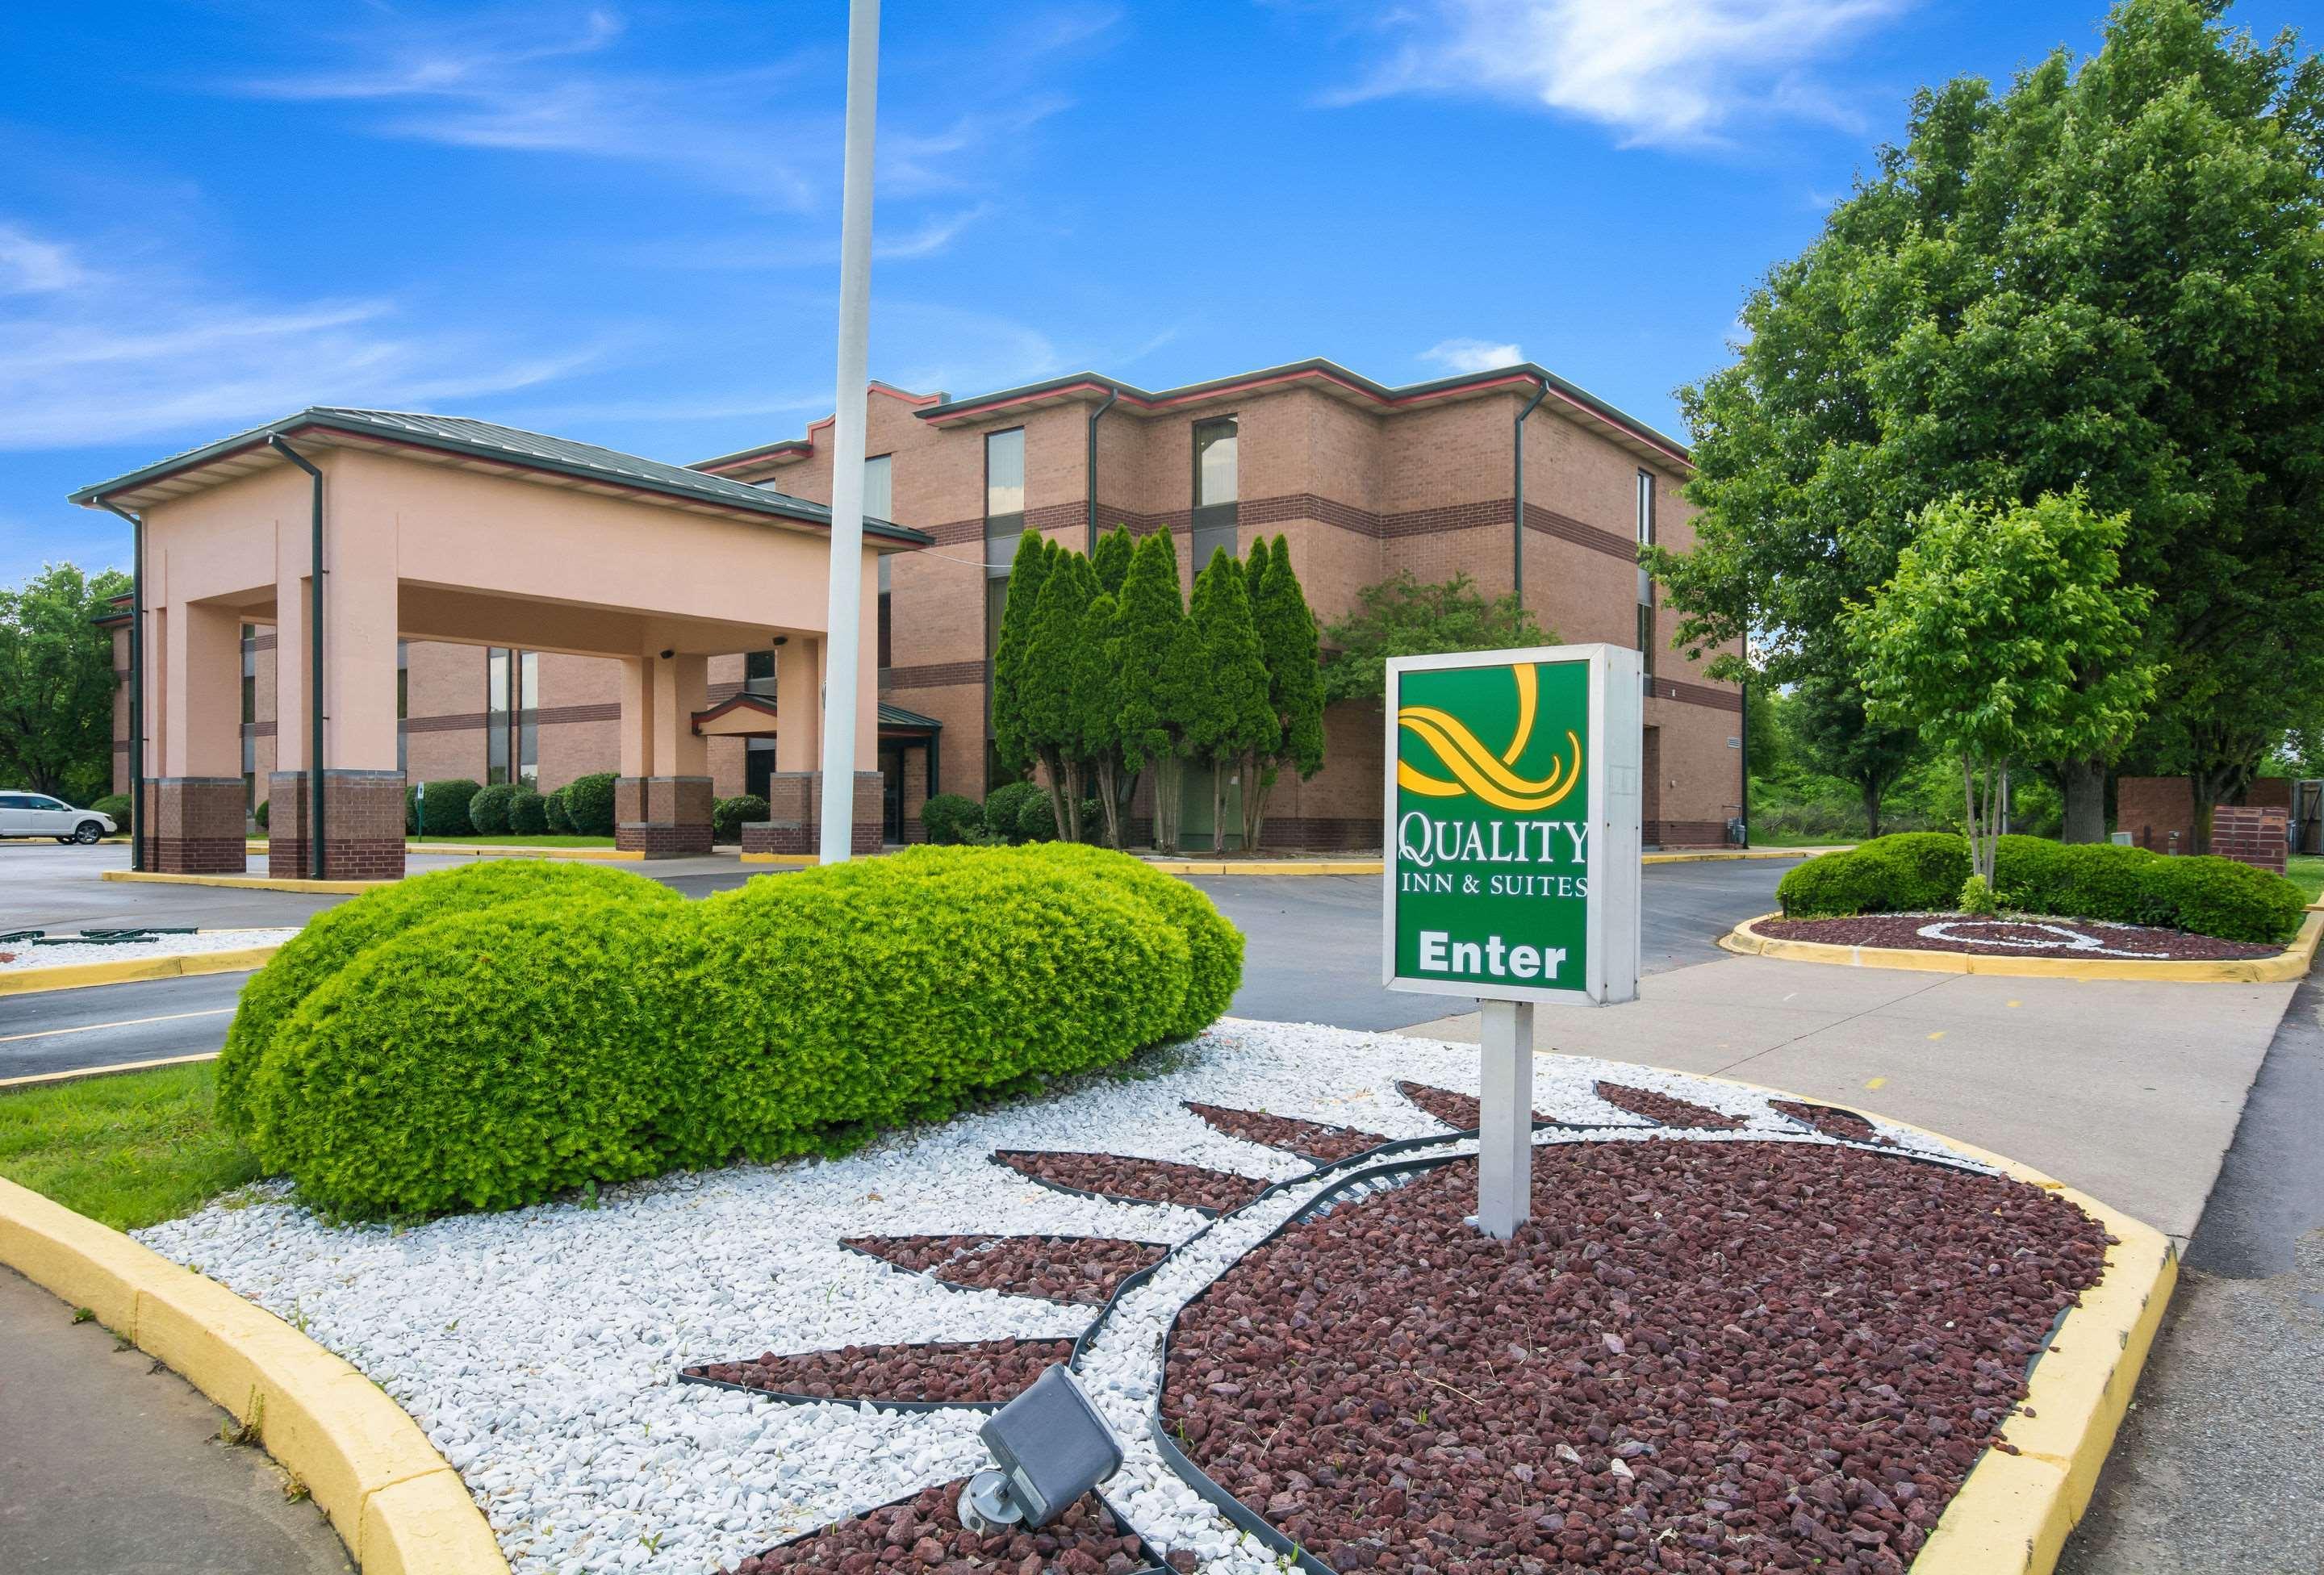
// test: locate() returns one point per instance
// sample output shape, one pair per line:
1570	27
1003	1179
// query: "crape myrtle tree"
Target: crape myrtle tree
1150	726
1290	647
2109	277
57	684
2006	635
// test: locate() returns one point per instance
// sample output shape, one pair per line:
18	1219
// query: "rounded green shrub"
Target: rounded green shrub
589	804
410	809
117	806
260	814
528	813
484	1060
1004	807
488	809
728	816
950	818
1912	871
2219	896
444	808
553	807
335	937
1213	945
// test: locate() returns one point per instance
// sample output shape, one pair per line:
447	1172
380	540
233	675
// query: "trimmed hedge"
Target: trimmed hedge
444	808
261	813
950	818
1038	822
560	820
589	804
528	813
117	806
488	809
334	938
501	1053
1925	871
1004	808
728	816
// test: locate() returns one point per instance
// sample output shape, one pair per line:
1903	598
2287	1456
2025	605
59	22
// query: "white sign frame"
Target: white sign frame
1612	766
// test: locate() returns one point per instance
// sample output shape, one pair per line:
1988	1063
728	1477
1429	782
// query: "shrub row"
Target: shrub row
1923	872
728	816
1013	813
487	1036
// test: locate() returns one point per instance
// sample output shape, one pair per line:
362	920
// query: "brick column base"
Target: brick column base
662	818
2255	835
795	821
363	825
199	825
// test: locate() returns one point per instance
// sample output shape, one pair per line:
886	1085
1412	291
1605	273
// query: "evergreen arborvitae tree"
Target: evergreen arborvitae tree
1097	706
1047	687
1026	572
1149	720
1237	725
1254	572
1287	641
1112	559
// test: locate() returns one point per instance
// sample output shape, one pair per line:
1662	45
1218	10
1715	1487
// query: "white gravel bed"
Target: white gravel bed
22	954
540	1349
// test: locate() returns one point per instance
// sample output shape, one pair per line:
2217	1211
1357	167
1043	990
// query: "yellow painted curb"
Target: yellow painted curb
788	861
2291	963
505	849
1719	855
1265	866
247	882
43	1079
396	1504
184	964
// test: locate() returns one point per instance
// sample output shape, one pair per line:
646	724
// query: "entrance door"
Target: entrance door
1194	828
891	792
1650	768
758	765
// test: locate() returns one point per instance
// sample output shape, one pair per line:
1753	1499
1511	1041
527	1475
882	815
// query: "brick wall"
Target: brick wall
2253	834
2158	812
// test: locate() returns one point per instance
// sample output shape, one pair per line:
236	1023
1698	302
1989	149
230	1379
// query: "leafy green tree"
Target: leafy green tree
1026	573
57	683
1402	616
2110	277
1097	706
1841	740
1112	559
1150	722
1235	724
2006	635
1047	687
1288	642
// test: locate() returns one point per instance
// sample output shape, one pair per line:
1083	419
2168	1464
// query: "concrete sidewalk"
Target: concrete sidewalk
108	1467
2125	1089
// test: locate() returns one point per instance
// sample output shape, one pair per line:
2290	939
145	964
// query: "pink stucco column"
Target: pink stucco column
661	801
195	804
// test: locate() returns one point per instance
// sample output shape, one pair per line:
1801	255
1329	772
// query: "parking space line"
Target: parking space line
125	1023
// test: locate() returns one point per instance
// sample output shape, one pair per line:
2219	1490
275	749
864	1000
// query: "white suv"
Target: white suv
36	814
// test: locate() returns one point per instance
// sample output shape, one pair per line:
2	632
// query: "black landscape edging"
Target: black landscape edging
1154	1563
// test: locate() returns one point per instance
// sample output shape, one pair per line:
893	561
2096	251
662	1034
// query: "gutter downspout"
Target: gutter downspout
1095	417
315	666
136	683
1517	508
1745	793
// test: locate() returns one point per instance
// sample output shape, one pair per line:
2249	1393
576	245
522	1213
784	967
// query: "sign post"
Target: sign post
1511	861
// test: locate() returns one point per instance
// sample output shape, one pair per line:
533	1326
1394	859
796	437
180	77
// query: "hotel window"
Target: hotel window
511	732
249	715
402	704
1646	510
527	718
879	489
1216	489
758	673
1004	522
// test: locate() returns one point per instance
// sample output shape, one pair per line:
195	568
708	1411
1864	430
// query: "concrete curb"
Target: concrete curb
183	964
2291	963
79	1074
784	860
505	850
397	1505
246	882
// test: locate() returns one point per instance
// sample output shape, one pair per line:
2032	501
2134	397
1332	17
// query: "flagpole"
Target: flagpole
843	639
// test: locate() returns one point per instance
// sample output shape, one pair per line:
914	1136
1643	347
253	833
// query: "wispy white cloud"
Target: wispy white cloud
1669	72
104	356
31	265
1459	355
928	237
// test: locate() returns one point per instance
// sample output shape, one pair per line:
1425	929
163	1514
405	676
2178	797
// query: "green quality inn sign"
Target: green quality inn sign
1511	866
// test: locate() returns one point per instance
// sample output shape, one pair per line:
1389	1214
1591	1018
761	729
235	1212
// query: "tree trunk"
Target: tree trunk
2084	791
1872	797
1165	804
1254	801
1107	795
1053	772
1219	764
1069	827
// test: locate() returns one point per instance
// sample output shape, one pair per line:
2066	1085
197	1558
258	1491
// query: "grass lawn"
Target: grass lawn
1761	841
2307	872
518	839
127	1151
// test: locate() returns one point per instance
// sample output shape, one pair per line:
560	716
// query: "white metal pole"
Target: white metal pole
843	625
1505	1119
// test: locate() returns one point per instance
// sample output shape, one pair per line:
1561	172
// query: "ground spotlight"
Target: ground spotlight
1049	1446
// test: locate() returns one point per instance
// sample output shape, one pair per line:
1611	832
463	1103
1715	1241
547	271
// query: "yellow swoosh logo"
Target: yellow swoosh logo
1475	768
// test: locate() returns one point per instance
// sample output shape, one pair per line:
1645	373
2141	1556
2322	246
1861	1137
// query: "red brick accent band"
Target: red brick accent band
197	824
2251	834
933	675
662	818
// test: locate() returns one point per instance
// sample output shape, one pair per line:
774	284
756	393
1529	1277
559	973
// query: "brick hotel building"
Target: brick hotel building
1362	480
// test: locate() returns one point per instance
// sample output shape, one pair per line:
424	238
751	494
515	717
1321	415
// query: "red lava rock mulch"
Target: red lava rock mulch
1315	1140
924	1533
2004	939
1703	1356
1079	1269
1830	1121
1667	1109
981	1371
1458	1110
1137	1181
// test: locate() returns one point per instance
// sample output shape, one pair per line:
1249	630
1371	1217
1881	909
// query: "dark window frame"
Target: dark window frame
1213	525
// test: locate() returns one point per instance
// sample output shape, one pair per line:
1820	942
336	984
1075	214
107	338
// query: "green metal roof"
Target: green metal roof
462	436
896	717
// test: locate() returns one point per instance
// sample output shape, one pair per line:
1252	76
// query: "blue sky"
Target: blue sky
619	221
